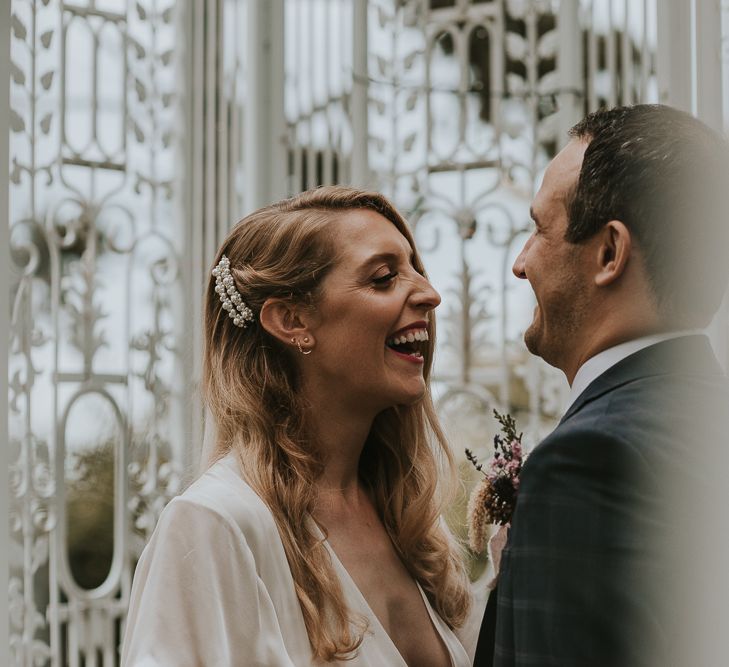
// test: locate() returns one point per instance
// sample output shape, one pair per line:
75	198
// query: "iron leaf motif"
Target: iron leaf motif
17	124
85	313
47	79
17	74
18	27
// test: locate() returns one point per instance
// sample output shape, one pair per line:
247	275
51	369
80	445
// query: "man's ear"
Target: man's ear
288	322
613	252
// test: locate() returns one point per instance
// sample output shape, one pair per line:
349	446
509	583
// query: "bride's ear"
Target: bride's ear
287	322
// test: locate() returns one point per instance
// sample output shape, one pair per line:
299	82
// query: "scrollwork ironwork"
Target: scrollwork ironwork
93	240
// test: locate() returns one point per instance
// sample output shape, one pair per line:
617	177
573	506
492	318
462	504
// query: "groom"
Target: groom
627	261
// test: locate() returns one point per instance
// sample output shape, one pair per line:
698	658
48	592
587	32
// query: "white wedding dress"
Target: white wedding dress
213	589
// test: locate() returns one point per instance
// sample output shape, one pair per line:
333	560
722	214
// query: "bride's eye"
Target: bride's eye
386	279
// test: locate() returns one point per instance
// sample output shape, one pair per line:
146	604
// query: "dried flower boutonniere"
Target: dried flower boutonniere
494	497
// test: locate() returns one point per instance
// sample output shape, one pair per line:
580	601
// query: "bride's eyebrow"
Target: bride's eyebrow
384	257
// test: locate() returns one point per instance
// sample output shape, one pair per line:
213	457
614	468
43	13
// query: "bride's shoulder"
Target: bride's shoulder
222	491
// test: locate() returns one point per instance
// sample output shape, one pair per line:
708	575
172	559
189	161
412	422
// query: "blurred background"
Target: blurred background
140	131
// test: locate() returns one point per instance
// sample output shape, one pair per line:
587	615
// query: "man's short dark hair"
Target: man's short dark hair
665	175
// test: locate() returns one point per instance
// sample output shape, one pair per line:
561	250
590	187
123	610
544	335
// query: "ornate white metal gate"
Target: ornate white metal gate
141	130
125	152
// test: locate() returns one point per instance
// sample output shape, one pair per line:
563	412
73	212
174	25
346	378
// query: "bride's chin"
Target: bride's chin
415	397
406	399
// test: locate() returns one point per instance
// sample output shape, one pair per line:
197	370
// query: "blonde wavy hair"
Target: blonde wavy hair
250	384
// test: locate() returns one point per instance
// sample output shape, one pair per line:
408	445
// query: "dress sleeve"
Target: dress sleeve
197	598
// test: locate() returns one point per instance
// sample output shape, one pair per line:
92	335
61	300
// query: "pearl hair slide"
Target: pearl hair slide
230	297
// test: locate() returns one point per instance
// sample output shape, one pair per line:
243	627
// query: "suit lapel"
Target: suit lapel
690	355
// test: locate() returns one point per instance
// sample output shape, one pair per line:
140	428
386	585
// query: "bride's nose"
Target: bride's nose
426	296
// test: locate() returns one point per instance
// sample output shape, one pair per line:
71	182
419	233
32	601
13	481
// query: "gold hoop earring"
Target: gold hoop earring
298	344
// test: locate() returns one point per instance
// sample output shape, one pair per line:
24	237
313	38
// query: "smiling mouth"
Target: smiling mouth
409	345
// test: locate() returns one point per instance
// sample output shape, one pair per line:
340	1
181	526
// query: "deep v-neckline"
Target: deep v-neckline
352	585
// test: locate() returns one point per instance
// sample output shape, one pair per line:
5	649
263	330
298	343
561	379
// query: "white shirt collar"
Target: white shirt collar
597	365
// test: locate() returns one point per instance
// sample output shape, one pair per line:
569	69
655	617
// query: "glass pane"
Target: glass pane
92	437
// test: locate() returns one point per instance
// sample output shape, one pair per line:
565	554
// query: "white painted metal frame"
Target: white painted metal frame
4	331
570	61
708	75
690	78
690	58
216	164
674	54
360	173
323	101
620	31
203	165
265	124
709	107
179	108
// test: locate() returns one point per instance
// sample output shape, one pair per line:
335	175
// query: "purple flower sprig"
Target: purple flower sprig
494	498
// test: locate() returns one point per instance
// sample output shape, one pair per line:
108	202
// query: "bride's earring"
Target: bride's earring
298	344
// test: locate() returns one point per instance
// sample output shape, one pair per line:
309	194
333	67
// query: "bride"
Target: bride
315	534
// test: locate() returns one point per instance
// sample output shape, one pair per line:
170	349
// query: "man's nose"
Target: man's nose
519	269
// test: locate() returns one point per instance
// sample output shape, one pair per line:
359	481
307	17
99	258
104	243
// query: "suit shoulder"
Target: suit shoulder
639	431
660	398
657	414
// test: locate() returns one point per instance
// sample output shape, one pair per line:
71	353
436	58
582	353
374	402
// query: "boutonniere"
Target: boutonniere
494	497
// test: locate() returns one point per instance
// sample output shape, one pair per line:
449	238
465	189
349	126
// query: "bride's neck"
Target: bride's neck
340	438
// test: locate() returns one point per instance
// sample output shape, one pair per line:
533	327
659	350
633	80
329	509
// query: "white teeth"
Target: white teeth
410	337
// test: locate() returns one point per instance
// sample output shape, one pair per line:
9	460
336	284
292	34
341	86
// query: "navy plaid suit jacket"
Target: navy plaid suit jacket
585	575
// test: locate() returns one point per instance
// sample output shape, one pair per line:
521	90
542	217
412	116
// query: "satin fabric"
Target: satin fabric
213	588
